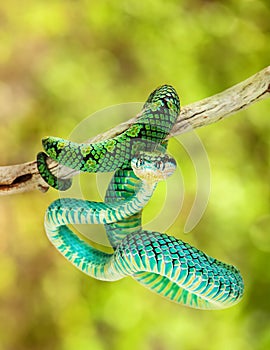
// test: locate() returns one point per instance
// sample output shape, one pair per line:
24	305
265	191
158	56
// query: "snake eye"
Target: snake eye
139	162
159	164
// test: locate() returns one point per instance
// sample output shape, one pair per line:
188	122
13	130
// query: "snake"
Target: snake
166	265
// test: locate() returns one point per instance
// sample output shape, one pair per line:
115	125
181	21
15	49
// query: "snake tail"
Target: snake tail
52	180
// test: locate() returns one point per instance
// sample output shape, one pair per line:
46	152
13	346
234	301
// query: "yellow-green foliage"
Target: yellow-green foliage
64	60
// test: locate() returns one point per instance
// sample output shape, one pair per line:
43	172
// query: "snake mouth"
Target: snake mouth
153	176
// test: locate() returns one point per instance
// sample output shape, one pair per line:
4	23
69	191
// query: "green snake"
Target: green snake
162	263
145	134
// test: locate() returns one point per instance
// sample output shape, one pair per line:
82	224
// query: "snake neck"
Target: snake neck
137	202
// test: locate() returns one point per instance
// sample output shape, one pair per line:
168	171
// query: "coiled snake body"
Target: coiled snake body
162	263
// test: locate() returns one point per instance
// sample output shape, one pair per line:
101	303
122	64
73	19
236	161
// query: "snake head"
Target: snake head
153	166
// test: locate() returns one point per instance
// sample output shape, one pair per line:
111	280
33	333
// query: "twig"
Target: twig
25	177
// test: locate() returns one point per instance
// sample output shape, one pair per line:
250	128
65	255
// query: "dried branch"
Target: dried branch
25	177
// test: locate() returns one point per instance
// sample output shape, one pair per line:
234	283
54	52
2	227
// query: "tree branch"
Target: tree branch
25	177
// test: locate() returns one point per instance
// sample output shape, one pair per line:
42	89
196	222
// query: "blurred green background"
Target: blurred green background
62	61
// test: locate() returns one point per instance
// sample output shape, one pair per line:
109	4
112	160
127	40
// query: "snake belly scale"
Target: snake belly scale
164	264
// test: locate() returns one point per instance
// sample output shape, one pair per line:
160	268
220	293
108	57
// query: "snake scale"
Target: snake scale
164	264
